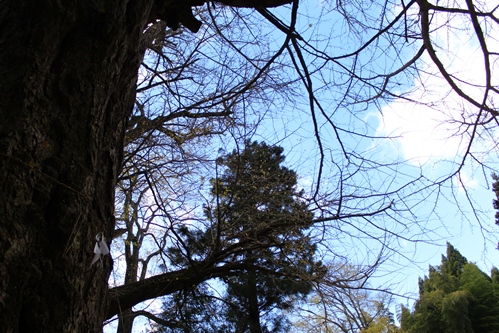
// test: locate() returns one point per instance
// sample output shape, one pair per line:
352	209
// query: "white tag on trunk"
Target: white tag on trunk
100	248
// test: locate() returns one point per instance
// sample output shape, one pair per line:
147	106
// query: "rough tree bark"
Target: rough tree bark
68	71
68	79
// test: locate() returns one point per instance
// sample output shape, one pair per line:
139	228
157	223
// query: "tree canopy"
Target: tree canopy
456	296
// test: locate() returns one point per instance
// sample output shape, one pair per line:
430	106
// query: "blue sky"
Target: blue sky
425	140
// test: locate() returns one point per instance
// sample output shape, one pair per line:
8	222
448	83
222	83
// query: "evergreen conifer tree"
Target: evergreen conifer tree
260	221
260	205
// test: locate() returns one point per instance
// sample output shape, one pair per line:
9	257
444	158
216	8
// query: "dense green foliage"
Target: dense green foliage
258	220
456	297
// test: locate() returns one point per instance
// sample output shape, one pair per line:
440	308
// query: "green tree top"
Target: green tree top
256	190
456	297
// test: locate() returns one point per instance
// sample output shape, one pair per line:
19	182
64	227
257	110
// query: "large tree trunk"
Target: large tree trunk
68	71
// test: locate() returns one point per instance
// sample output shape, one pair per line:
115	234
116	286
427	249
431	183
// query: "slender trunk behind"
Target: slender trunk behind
254	310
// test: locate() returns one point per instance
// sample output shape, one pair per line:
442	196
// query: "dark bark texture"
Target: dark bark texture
67	85
68	72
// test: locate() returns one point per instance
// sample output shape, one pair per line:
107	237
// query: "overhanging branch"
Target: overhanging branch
126	296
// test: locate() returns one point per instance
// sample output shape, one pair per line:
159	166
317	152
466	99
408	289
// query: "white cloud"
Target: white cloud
430	128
